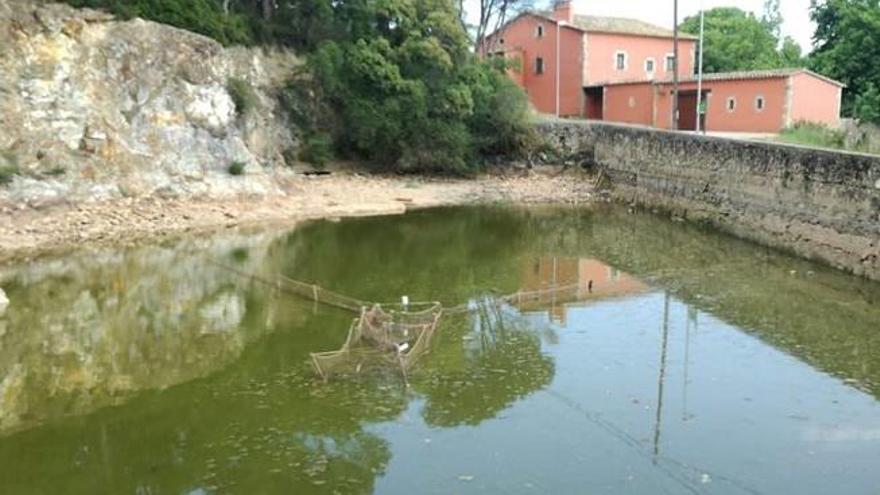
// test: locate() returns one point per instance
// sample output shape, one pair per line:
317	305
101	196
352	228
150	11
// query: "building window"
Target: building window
670	62
649	66
731	104
620	60
539	31
539	65
501	41
759	103
632	101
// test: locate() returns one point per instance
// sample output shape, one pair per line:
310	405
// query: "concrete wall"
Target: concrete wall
819	204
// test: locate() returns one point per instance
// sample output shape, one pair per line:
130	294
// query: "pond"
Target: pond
686	362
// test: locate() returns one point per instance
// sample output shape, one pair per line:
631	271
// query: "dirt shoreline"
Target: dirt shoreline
29	233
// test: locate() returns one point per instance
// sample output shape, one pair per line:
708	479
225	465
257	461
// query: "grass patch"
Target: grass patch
56	171
243	95
7	172
8	167
819	136
236	168
810	134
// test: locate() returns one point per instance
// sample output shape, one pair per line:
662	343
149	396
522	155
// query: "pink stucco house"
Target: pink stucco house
621	70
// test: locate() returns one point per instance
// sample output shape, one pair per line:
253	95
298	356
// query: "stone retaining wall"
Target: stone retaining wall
820	204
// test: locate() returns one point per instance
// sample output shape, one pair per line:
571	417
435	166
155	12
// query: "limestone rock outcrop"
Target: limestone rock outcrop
95	108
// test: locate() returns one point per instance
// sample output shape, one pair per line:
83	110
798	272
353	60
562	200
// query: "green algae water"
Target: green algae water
689	362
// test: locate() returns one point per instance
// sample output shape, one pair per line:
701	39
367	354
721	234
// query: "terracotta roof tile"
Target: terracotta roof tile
622	25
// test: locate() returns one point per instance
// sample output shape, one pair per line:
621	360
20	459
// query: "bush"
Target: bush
8	167
317	149
243	95
236	168
201	16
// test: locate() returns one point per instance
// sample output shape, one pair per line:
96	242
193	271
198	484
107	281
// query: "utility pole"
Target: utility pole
675	66
700	107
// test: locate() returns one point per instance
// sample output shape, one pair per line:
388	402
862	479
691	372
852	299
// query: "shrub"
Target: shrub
243	95
201	16
236	168
8	167
317	149
56	171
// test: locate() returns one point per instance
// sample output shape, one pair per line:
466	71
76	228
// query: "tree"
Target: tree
847	47
410	94
772	18
492	14
735	40
790	54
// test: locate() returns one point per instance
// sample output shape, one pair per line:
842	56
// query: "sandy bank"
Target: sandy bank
26	233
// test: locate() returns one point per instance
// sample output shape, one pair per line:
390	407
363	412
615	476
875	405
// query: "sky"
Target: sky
795	13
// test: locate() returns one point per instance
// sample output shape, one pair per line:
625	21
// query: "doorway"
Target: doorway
595	102
687	110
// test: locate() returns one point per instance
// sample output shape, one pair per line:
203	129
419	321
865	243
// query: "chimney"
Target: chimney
563	10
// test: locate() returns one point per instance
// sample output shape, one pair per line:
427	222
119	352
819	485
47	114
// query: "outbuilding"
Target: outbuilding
755	101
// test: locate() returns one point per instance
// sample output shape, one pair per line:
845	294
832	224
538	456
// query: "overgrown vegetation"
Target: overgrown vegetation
847	47
816	135
242	94
236	168
8	167
7	172
235	25
393	82
317	149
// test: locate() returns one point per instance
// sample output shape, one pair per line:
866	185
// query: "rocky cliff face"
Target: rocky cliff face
94	108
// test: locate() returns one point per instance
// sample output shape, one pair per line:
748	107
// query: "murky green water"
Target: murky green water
698	364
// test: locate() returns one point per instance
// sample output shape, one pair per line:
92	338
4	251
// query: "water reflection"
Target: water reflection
654	375
90	329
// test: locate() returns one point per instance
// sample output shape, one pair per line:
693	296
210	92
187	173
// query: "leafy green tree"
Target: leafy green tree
772	18
790	55
735	40
847	48
409	93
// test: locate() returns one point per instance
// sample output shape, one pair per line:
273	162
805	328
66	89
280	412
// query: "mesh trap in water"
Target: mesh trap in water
382	335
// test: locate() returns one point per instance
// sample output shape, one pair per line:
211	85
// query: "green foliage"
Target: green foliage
236	168
790	55
7	172
862	138
242	94
410	95
8	167
867	104
201	16
317	149
390	81
847	47
56	171
812	134
737	40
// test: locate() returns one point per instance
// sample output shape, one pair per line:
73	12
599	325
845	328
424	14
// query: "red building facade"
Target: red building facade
621	70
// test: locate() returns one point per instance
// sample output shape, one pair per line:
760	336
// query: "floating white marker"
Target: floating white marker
404	300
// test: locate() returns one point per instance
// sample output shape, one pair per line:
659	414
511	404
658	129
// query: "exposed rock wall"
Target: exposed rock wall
93	108
819	204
